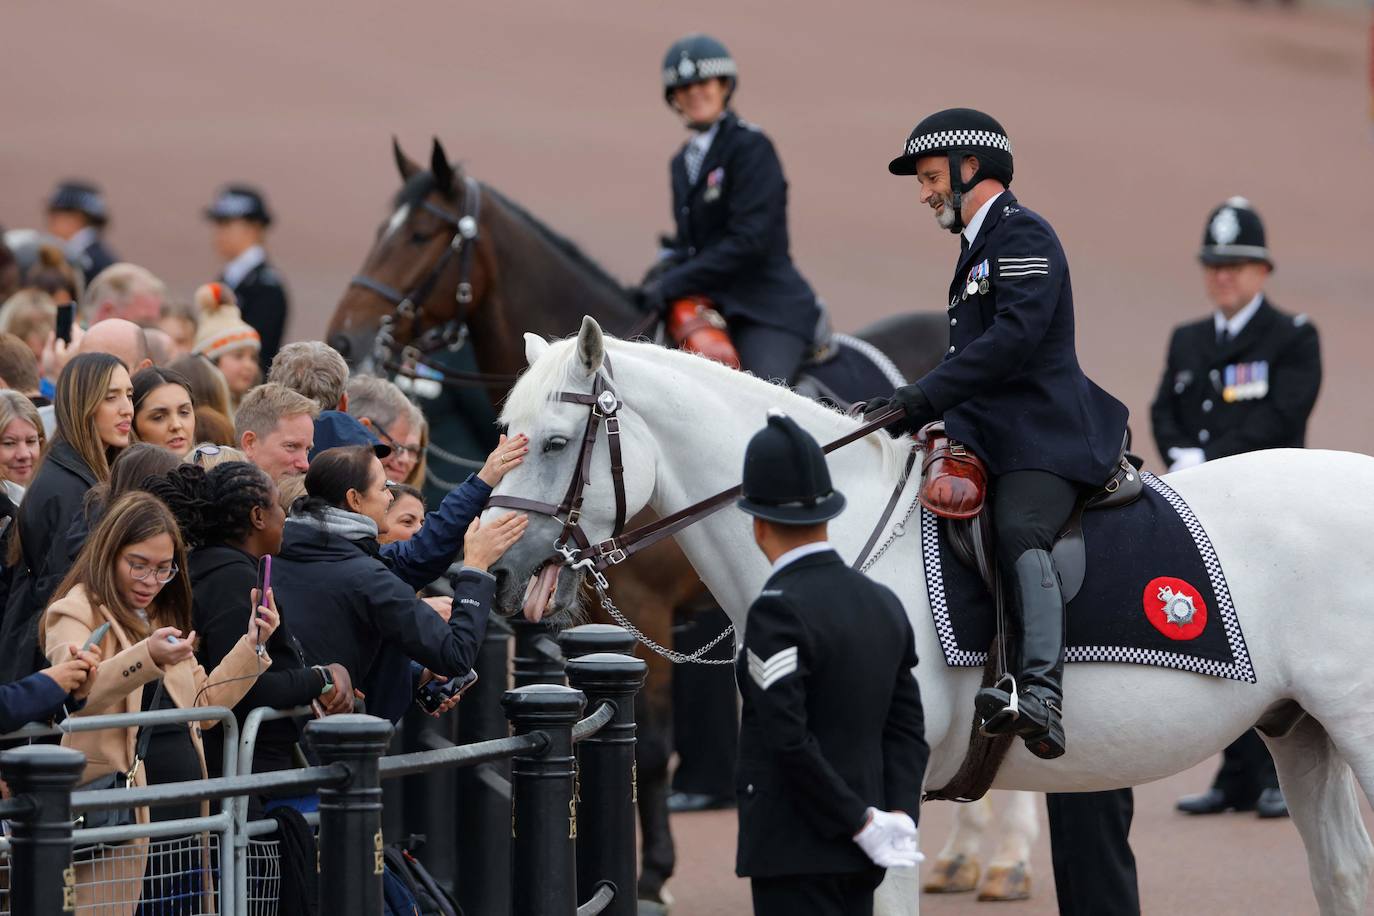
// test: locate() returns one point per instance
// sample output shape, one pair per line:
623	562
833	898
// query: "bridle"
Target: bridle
453	333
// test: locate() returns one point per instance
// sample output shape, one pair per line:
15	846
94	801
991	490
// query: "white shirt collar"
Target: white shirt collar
83	239
796	553
703	140
971	230
241	266
1237	322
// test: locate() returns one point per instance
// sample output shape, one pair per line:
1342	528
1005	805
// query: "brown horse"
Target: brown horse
458	264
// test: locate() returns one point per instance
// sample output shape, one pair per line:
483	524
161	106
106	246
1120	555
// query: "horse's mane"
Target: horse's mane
564	245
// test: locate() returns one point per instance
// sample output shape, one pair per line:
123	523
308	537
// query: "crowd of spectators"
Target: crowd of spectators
148	468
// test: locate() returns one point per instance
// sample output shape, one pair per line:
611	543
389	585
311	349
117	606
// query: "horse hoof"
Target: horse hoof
1006	882
958	875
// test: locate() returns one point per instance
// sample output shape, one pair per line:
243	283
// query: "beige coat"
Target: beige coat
118	688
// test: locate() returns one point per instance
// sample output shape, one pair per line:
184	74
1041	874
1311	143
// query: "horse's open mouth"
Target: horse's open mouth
540	592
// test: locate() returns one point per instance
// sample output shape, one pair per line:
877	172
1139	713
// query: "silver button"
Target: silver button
685	211
691	249
1207	405
1203	435
953	322
749	788
951	349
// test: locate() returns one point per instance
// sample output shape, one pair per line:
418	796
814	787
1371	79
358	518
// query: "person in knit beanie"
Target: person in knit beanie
226	339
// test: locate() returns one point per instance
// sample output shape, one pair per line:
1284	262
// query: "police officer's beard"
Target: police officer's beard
946	216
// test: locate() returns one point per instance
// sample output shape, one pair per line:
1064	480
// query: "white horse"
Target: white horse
1292	530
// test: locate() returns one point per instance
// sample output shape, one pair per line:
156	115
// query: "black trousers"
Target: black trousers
1028	510
1094	868
815	895
768	352
1246	769
705	719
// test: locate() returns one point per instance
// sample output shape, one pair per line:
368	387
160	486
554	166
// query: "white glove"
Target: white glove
889	838
1185	458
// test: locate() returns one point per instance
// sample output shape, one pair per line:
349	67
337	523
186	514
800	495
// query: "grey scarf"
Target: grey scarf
348	525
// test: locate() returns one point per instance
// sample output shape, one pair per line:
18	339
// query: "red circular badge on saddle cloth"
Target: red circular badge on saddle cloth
1175	608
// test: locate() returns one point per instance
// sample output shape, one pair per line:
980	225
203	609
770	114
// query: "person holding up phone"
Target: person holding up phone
132	575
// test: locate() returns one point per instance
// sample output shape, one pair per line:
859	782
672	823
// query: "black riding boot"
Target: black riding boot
1037	716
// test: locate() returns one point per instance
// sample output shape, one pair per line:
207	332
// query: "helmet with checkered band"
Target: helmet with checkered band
959	132
694	59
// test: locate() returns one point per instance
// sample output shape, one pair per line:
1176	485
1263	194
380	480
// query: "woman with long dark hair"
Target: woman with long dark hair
164	409
94	411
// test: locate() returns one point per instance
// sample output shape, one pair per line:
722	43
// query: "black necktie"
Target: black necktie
963	244
1224	336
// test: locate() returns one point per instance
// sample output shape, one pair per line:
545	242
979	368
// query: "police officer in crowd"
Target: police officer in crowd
77	215
832	740
1244	378
730	208
241	220
1011	389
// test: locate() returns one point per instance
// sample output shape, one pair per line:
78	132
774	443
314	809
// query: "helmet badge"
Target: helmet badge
1225	226
686	68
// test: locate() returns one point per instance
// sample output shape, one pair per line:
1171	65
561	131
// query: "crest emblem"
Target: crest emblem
1175	608
686	68
1225	226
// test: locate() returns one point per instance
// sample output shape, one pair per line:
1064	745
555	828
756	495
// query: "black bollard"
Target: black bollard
543	813
606	779
596	637
41	840
351	814
537	659
482	815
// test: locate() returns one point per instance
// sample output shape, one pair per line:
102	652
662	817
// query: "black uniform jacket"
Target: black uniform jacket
832	720
94	258
1010	386
262	302
1255	392
348	607
53	500
222	581
732	239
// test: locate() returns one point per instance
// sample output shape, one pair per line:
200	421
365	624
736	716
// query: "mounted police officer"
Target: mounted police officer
77	214
832	740
1244	378
241	220
1011	389
730	209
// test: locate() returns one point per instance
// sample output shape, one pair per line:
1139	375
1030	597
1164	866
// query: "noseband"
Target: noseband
410	304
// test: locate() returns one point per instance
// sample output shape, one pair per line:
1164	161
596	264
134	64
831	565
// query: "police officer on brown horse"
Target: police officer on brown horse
1010	388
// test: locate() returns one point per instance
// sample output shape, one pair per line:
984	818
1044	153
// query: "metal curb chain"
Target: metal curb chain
673	656
898	530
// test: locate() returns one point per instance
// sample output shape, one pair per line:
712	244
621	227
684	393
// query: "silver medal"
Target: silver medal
971	288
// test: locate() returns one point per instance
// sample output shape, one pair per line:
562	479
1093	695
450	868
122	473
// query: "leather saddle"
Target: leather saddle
954	486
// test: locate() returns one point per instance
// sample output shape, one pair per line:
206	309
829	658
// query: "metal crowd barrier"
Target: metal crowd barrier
570	814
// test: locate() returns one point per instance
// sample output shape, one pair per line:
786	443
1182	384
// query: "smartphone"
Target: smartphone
65	312
264	585
96	636
434	693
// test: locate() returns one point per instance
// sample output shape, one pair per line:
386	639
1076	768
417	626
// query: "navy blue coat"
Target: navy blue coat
732	244
35	698
262	302
94	258
1010	386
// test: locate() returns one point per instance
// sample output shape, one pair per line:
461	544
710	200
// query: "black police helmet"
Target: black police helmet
696	58
1234	235
239	201
80	197
785	476
959	132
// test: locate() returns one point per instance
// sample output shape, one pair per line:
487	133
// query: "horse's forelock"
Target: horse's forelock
557	369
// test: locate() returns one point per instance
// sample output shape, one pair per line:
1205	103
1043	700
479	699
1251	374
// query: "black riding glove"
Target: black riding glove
648	297
911	398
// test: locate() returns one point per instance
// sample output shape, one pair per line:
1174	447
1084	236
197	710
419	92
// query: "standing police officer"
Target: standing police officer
77	214
832	743
241	221
730	207
1242	379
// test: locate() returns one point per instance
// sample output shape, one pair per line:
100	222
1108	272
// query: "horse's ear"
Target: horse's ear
591	345
535	347
438	164
404	164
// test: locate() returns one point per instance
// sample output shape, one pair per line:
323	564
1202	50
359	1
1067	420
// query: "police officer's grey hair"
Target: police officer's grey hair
120	283
313	369
377	399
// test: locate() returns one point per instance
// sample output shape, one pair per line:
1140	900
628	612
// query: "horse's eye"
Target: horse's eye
555	444
419	238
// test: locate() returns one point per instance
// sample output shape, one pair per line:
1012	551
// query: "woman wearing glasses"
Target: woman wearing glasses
132	575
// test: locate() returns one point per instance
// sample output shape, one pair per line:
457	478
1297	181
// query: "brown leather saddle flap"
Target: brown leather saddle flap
954	481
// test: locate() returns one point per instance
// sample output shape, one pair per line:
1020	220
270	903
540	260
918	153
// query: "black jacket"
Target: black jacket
348	607
45	516
1010	386
1255	392
222	580
262	302
94	258
832	720
732	243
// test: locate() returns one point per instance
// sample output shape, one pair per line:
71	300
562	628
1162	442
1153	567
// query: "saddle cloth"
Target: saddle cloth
1154	593
849	370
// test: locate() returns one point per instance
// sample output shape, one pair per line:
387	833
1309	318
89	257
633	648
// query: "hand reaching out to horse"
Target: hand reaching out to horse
509	452
483	544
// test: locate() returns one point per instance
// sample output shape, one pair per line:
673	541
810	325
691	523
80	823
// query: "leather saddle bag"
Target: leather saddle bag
694	325
954	481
